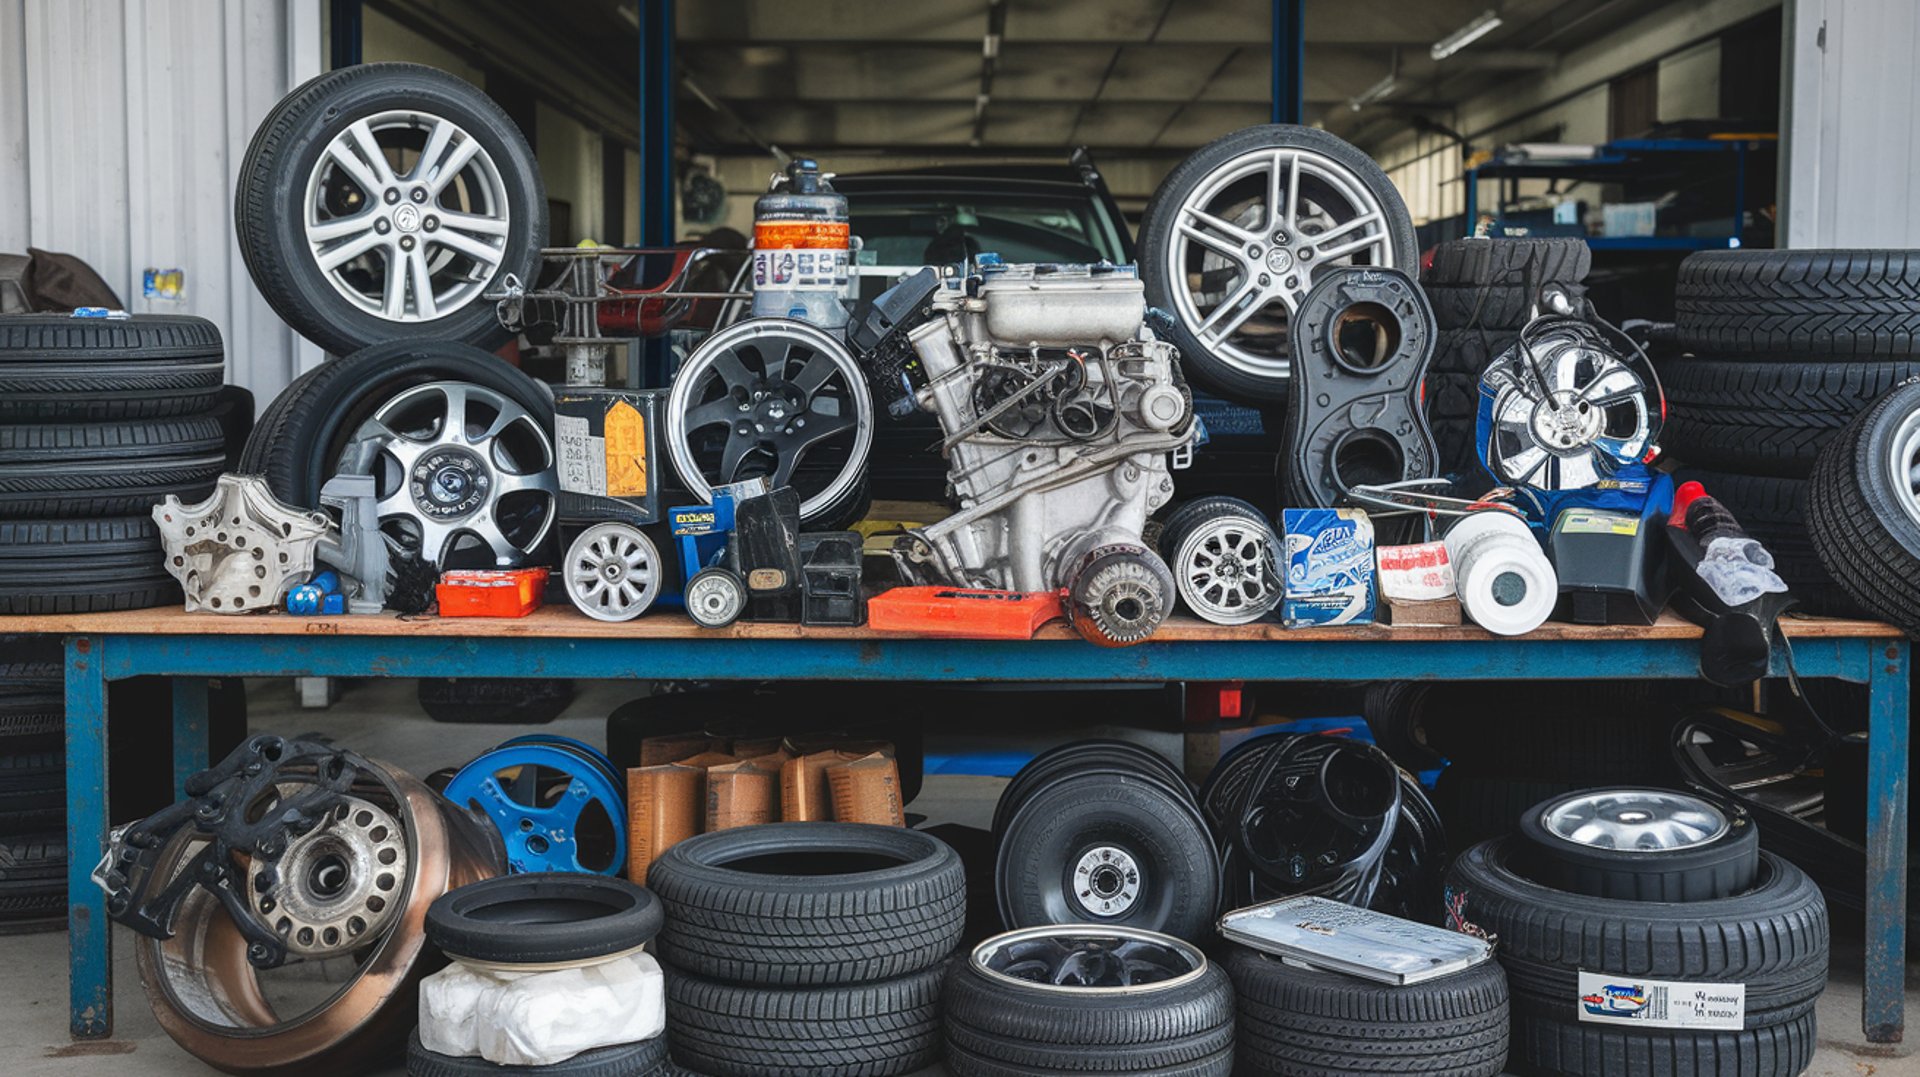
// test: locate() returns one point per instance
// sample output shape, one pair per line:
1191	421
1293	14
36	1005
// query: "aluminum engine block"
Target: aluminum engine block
1059	409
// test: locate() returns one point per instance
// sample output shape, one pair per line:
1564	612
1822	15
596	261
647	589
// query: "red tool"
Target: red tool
512	592
958	613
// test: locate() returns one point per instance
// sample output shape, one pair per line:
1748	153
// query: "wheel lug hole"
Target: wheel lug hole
431	223
391	196
406	243
383	226
1254	250
1265	281
418	194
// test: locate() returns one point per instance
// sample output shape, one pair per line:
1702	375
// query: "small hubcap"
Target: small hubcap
1642	820
1106	881
449	483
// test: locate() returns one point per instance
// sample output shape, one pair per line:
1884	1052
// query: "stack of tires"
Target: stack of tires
807	948
100	419
1644	931
1482	292
1785	349
33	869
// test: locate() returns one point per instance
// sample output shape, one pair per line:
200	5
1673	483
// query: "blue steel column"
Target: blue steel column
89	941
656	149
1883	1015
189	731
1289	61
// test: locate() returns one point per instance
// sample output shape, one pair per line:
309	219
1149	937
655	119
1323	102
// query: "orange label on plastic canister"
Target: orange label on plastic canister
626	439
800	235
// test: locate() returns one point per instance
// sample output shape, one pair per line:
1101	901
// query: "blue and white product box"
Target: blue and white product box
1330	567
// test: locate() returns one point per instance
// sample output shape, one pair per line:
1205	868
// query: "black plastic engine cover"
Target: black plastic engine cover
1362	342
766	552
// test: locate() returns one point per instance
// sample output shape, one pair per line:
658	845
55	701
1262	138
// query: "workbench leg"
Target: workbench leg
1883	1016
189	731
89	940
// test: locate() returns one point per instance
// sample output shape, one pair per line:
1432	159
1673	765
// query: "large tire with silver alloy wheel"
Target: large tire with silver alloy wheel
1223	554
1579	968
1640	845
715	597
1238	233
1863	507
1119	594
459	444
241	1019
381	202
1296	1021
809	903
612	572
1080	998
775	398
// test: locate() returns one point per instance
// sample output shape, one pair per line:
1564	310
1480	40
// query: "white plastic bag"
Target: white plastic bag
538	1018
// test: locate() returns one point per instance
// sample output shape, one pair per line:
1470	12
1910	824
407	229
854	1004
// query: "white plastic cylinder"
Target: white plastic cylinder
1505	582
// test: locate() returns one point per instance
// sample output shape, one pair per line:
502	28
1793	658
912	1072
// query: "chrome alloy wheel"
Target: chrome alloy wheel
406	215
613	572
1226	570
1640	820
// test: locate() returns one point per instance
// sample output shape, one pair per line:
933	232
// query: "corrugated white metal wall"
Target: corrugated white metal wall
122	124
1852	123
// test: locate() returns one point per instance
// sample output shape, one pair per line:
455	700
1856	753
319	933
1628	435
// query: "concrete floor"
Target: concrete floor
381	719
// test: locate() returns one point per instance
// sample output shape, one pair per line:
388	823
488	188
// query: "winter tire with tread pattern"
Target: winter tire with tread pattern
866	1029
82	566
1841	304
56	368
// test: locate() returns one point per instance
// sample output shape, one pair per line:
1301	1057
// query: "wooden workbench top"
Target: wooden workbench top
562	622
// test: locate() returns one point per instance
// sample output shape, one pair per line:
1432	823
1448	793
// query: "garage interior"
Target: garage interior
1727	124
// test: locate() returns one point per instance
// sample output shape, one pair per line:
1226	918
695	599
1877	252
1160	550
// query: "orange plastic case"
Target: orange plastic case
509	592
958	613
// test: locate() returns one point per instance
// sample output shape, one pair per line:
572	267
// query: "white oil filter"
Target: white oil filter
1505	581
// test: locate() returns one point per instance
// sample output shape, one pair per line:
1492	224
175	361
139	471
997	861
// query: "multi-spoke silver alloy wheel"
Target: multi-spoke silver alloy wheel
406	215
462	473
1111	960
762	396
1251	239
1903	463
613	572
1641	820
1226	570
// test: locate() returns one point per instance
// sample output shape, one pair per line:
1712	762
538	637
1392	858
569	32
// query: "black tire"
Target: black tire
269	208
1766	418
809	903
1716	868
1858	502
647	1058
54	368
997	1026
1058	825
484	700
82	566
1468	351
1491	283
1301	1022
1837	304
1093	752
56	470
1774	510
542	918
1772	938
1157	231
1395	717
1452	402
858	1030
33	883
296	443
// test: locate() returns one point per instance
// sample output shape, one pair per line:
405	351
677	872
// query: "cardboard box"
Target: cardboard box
659	751
665	804
1329	569
867	790
742	794
806	793
1416	585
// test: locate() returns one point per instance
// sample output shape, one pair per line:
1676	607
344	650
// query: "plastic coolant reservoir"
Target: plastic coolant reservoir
1505	581
539	1016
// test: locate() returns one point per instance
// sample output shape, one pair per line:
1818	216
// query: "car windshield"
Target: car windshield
910	230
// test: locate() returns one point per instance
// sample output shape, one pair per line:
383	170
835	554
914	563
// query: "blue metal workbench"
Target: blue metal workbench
560	643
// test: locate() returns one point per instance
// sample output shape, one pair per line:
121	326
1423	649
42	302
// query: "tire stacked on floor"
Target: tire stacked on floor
99	420
1720	975
1482	292
807	948
1785	349
33	866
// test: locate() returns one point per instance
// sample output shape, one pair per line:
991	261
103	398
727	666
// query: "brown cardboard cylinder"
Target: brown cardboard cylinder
867	790
664	805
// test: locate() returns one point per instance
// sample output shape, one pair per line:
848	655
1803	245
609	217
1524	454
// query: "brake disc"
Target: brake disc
1354	417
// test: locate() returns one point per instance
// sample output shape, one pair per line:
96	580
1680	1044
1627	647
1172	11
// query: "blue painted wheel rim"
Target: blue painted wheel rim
544	836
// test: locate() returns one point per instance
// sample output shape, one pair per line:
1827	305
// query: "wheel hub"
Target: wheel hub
406	218
338	885
1565	421
1280	260
1641	820
449	483
1106	881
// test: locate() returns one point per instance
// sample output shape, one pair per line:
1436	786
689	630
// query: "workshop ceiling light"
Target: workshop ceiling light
1379	91
1487	22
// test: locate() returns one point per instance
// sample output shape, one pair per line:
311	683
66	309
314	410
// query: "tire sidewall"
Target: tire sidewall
312	304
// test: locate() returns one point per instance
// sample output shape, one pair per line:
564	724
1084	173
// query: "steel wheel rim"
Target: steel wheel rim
613	572
1903	463
1063	950
693	405
1637	820
444	489
1227	573
437	233
1339	236
714	600
1561	441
